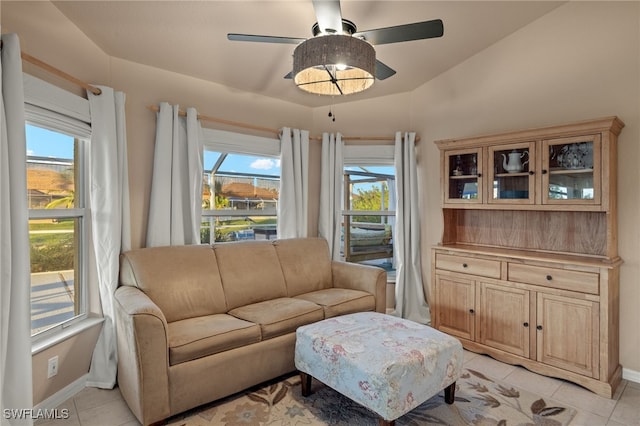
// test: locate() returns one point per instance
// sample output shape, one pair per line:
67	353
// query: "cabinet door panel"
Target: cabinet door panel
462	176
504	318
567	333
571	170
455	301
511	171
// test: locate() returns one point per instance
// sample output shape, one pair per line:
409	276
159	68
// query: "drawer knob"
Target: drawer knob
479	174
549	277
531	172
539	327
526	324
471	311
464	265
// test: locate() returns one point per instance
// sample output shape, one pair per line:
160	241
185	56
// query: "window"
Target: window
369	206
241	185
57	134
57	227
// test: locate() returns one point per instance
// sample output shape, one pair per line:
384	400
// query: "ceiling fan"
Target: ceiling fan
339	59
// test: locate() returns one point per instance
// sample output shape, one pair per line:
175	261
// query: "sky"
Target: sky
46	143
244	164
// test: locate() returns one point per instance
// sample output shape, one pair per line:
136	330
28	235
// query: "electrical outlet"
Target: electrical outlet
53	367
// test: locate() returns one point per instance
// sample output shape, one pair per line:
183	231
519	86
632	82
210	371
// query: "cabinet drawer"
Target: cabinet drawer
586	282
468	265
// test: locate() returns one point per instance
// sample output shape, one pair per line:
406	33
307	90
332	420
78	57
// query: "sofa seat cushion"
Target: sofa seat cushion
201	336
341	301
279	316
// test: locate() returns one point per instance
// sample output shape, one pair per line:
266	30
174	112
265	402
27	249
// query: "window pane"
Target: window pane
51	176
240	192
368	238
230	228
55	231
240	197
55	291
239	163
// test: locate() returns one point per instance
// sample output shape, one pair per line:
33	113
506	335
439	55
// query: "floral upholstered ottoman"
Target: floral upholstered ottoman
387	364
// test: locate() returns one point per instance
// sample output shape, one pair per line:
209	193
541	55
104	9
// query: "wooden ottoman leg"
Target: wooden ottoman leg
450	393
305	383
384	422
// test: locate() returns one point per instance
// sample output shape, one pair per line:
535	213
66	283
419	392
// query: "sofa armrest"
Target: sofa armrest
143	355
362	277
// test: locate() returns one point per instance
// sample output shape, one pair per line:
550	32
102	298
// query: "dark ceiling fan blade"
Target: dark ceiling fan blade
408	32
264	39
289	76
383	71
329	15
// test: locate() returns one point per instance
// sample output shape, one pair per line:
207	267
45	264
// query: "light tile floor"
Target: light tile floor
96	407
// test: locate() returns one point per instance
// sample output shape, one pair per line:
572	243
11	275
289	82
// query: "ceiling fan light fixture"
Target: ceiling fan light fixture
317	64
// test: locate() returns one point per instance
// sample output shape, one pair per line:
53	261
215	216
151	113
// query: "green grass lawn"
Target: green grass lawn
50	225
51	251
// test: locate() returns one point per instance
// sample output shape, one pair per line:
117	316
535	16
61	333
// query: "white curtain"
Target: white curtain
15	270
294	183
110	225
330	220
175	207
393	199
410	299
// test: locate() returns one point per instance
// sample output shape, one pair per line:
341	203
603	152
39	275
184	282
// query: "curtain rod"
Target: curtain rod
223	121
37	62
276	131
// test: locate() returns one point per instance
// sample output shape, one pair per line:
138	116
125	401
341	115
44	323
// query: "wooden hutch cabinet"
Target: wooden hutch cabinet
528	268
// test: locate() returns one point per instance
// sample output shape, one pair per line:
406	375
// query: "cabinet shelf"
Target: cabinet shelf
570	171
508	175
464	177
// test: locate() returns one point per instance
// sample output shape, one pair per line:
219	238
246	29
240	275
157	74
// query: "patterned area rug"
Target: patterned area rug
479	401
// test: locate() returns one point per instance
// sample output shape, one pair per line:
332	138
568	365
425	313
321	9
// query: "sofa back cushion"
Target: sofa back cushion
306	264
250	272
182	280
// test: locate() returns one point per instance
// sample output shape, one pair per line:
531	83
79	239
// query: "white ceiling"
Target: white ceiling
190	37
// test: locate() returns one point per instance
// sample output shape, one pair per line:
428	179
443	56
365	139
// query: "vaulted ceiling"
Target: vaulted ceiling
190	37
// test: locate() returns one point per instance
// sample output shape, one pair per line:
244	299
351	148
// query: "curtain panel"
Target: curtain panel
175	208
410	298
294	184
330	217
110	223
15	270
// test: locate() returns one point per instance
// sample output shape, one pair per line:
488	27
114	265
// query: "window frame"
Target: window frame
363	156
227	143
54	109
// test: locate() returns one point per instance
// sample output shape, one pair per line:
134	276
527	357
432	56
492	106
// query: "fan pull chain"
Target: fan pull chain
331	115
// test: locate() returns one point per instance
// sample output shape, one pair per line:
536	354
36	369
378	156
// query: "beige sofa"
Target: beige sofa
198	323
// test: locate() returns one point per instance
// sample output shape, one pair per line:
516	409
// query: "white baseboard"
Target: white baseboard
631	375
62	395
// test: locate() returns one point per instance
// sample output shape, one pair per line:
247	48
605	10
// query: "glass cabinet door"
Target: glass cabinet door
512	169
571	170
463	176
